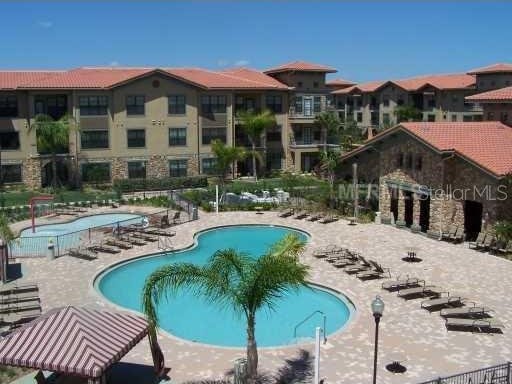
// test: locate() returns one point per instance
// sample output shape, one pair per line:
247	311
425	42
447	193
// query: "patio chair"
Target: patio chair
452	229
474	311
86	254
480	325
11	288
118	243
287	213
364	265
378	272
446	301
159	232
458	236
315	217
176	218
409	282
497	245
506	249
103	248
20	306
301	215
132	240
144	236
488	242
422	291
478	243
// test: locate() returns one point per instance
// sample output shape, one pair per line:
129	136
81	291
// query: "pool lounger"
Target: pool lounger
396	285
20	307
323	252
104	248
472	312
378	272
132	240
443	301
86	254
19	318
345	262
10	288
148	237
423	291
363	266
315	217
19	297
159	232
68	212
118	243
301	215
481	325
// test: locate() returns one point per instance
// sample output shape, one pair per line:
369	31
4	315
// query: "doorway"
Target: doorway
472	219
408	208
424	212
62	174
394	203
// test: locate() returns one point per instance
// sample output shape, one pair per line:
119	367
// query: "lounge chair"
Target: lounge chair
144	236
159	232
63	211
118	243
410	282
472	312
506	249
287	213
458	236
488	242
363	266
19	318
301	215
422	291
323	252
315	217
442	302
11	288
20	306
176	218
132	240
478	243
345	262
104	248
378	272
86	254
18	297
328	219
480	325
452	229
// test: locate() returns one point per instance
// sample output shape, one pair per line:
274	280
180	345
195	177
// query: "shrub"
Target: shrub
164	183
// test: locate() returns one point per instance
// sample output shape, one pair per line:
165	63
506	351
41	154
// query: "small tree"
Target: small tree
226	157
329	123
235	280
408	113
351	134
329	162
254	125
52	136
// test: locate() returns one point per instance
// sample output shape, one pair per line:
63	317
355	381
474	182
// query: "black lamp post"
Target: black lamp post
377	310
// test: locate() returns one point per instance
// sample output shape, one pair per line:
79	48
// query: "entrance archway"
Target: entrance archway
424	213
408	208
472	219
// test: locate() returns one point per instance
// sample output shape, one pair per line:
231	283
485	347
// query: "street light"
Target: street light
377	310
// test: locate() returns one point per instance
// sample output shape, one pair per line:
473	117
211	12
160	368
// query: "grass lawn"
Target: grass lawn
10	198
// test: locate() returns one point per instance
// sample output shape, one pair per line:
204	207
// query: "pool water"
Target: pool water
66	235
195	319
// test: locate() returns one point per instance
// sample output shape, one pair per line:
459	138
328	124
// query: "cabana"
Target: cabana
78	342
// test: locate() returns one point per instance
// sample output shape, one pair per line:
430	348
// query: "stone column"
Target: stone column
401	207
416	210
32	173
193	166
119	169
157	167
384	200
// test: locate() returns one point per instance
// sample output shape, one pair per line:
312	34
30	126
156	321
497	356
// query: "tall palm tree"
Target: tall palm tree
254	124
52	135
329	123
235	280
226	156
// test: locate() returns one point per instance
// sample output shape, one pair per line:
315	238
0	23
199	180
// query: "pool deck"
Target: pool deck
428	350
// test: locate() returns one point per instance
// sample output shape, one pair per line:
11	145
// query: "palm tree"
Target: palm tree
329	162
226	156
236	280
52	135
329	123
254	124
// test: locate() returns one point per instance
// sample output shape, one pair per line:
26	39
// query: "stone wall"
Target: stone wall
32	173
157	167
119	169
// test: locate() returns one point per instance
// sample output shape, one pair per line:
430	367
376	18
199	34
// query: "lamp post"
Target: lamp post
377	310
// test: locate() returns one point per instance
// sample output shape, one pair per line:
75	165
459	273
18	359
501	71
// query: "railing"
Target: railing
498	374
185	204
309	317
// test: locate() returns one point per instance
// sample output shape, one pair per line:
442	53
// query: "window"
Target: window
178	168
208	165
467	118
455	99
317	104
359	102
385	101
408	161
245	103
315	84
400	102
94	139
359	117
274	103
213	104
177	105
93	105
274	134
298	104
9	140
136	169
490	116
299	84
210	134
136	138
385	118
177	136
11	173
96	172
135	105
431	117
274	160
373	102
400	160
504	117
8	106
431	103
418	164
454	117
54	106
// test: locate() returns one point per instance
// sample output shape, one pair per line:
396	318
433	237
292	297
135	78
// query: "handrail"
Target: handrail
309	317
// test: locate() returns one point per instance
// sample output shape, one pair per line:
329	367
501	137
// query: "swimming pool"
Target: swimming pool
67	234
194	319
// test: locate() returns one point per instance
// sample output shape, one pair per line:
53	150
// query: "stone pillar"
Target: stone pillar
157	167
436	208
416	210
119	169
384	200
401	206
32	173
193	166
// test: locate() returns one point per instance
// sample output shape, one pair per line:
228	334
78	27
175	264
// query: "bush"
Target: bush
133	185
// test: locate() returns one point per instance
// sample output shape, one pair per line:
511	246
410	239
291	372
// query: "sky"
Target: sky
364	40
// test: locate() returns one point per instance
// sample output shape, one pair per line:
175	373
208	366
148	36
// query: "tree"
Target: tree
254	124
329	162
52	136
351	134
6	234
408	113
236	280
329	123
226	156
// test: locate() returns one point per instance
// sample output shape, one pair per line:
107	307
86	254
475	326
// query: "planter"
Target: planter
415	228
400	224
385	220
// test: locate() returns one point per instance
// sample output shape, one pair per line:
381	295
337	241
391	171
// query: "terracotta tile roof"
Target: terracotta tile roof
487	144
494	68
15	79
496	95
338	82
370	86
301	66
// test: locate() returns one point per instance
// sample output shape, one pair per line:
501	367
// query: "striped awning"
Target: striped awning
73	340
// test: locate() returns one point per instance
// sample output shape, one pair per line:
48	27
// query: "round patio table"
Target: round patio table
412	256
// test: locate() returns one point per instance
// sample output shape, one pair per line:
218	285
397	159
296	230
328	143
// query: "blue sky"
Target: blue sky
364	40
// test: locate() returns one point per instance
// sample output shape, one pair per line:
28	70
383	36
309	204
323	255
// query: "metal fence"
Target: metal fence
189	207
498	374
40	246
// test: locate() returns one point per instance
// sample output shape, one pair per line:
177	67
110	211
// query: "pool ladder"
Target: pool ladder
309	317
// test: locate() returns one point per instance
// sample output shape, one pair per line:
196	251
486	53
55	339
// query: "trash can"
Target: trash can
240	371
51	249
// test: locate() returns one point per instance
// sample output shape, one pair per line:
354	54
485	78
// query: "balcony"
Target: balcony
313	144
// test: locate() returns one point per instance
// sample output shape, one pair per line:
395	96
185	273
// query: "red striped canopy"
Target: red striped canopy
73	340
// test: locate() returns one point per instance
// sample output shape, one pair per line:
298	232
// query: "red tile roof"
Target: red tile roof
487	144
301	66
339	83
15	79
496	95
494	68
370	86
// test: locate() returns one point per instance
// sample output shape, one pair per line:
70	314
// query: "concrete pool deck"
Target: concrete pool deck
428	350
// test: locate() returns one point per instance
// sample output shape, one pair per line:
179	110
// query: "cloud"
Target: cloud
241	63
222	62
114	63
46	24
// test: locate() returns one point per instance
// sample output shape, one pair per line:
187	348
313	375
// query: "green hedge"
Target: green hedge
133	185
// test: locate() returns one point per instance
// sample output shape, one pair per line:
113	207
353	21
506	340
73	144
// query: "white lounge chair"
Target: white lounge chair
480	325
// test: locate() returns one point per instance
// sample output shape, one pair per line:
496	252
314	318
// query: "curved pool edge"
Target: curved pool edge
94	282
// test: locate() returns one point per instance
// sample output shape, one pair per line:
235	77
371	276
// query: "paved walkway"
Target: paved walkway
421	337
